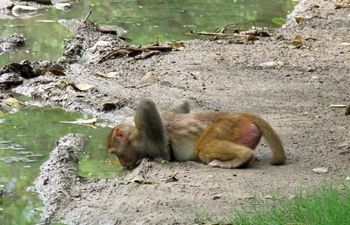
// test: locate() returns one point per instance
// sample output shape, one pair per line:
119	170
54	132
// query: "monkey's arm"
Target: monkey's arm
151	130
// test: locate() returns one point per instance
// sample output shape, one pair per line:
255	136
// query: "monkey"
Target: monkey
218	139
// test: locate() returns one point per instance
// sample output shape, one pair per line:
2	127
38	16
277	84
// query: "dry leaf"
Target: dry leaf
296	42
298	38
138	179
89	121
146	80
108	75
178	46
84	87
56	72
12	102
298	19
1	113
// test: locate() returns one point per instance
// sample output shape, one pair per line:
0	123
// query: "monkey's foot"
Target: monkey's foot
235	163
222	164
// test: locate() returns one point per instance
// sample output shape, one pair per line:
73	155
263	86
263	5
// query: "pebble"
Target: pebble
22	9
320	170
271	64
63	6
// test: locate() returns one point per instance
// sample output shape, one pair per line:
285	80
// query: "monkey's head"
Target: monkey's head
119	143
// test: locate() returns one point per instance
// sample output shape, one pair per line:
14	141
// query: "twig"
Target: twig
87	16
136	50
221	34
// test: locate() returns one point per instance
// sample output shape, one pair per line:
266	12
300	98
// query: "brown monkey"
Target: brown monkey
219	139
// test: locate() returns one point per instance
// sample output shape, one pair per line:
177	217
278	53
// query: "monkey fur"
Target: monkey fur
218	139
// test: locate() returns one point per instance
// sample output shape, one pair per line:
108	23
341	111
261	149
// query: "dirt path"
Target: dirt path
293	94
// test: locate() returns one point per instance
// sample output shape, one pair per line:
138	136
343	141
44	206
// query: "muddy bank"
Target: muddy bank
59	173
289	81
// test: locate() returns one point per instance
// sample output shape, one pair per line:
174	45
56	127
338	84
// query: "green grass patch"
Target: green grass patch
329	205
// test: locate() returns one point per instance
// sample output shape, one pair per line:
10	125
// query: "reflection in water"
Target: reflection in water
144	19
26	139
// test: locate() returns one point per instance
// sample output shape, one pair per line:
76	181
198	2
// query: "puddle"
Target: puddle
26	139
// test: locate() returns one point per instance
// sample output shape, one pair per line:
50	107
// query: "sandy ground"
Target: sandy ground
292	88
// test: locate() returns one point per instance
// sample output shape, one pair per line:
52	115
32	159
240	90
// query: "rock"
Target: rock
11	42
4	96
72	25
41	65
43	2
6	5
4	193
24	70
8	80
19	10
310	69
63	6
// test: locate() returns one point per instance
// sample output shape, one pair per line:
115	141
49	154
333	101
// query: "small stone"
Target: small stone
320	170
310	69
23	9
8	80
63	6
271	64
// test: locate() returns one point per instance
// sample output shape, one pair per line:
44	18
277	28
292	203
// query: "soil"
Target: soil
292	88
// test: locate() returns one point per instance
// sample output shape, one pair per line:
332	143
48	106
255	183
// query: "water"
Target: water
26	139
144	19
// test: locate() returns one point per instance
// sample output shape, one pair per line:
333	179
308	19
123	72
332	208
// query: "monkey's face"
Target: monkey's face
119	143
127	156
128	160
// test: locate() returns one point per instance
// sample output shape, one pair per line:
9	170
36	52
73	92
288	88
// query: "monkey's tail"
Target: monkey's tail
272	139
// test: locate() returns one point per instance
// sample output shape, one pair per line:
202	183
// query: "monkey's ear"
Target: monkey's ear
120	135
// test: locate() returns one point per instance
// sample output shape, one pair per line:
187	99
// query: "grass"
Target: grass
329	205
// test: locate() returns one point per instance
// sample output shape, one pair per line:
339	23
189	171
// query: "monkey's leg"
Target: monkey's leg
179	107
224	154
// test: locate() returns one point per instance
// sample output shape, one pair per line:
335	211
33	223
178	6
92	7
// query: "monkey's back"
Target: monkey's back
184	130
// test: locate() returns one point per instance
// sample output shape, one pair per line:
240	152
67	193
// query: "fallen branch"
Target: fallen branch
223	34
134	51
87	16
